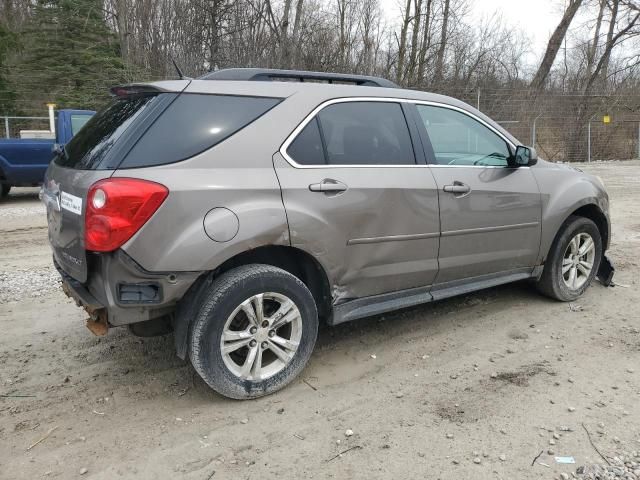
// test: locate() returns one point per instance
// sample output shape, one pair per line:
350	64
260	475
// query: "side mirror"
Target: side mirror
525	156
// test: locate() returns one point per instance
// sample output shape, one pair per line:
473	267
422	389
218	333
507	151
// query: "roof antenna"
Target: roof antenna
180	74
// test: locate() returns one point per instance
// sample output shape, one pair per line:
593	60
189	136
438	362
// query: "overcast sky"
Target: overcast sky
538	18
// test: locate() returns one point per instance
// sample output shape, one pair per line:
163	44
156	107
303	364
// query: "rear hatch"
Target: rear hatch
93	154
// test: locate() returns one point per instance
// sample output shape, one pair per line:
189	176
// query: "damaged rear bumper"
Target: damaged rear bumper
98	318
120	292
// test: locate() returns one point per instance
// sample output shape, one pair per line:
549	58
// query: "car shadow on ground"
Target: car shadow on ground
156	355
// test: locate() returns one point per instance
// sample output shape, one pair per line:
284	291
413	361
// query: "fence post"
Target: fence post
589	141
533	131
478	101
638	140
6	126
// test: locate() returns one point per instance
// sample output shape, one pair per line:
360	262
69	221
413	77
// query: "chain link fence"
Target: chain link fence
563	127
10	126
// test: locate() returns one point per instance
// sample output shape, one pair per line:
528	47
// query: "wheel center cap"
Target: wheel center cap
262	334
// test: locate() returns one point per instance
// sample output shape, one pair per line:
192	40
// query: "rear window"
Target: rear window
194	123
88	148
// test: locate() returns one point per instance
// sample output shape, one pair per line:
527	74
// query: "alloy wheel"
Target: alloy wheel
261	336
577	261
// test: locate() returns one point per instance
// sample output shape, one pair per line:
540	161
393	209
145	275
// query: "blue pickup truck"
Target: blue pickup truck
24	161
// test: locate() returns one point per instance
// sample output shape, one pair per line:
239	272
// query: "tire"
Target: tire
564	286
4	190
222	311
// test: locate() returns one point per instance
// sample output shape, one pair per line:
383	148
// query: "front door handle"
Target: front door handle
458	188
328	185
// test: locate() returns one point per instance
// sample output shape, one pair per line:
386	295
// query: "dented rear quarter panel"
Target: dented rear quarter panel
237	174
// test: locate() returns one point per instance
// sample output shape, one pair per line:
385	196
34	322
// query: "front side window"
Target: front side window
355	133
458	139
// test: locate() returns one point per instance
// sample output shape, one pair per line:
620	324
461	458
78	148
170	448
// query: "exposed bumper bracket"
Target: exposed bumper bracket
97	322
606	271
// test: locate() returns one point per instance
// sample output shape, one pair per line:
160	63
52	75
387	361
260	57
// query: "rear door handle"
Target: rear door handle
328	185
458	188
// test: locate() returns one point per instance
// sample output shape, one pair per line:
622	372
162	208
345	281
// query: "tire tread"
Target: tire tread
549	284
215	295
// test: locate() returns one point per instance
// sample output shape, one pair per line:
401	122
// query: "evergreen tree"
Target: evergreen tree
69	56
7	95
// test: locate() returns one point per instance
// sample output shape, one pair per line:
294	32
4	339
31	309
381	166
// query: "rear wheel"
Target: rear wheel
573	260
254	331
4	190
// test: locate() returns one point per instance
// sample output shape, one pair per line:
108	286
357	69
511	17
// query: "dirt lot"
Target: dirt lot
490	376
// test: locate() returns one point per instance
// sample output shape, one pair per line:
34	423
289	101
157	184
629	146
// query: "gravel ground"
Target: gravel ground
17	212
624	466
23	283
499	384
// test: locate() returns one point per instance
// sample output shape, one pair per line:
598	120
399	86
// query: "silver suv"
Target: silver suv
241	211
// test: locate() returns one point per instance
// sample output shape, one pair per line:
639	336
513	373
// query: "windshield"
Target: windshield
87	149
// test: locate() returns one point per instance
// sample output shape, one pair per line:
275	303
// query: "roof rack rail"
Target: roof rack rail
269	74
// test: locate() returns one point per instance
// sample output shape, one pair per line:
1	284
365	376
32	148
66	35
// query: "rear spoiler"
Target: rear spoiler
174	86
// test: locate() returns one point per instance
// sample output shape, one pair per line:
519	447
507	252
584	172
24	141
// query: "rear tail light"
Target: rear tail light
117	208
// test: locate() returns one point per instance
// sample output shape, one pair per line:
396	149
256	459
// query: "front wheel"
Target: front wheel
573	260
254	332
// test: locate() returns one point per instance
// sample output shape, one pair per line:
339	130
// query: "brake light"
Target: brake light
117	208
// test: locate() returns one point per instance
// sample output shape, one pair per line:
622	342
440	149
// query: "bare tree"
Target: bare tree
439	69
402	41
554	44
415	39
425	43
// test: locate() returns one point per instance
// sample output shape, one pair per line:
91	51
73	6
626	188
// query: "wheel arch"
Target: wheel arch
293	260
590	210
594	213
299	263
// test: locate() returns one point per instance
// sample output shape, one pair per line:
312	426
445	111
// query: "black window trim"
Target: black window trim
323	140
418	154
424	137
132	135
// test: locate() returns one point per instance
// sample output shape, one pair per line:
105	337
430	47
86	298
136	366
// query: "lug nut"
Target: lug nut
265	324
253	330
272	333
263	345
253	343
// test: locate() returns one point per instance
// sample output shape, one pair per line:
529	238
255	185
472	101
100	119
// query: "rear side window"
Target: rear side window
355	133
88	148
192	124
366	133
